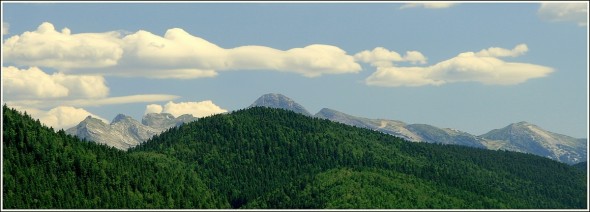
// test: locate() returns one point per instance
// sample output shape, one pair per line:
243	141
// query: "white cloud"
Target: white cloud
479	67
177	54
518	50
378	57
197	109
431	5
415	57
47	47
569	12
178	50
382	57
153	108
34	83
35	88
62	117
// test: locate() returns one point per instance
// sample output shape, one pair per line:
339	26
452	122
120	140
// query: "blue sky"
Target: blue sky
469	66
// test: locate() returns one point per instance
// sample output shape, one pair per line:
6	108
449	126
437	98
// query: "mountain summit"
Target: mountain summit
274	100
530	138
121	118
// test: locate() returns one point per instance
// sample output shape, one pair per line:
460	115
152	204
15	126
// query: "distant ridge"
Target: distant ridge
412	132
517	137
124	132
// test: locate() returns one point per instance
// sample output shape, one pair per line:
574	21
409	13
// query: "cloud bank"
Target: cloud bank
34	87
565	12
483	67
177	54
36	84
197	109
63	50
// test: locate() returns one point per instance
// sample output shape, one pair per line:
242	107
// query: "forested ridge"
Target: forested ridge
43	169
273	158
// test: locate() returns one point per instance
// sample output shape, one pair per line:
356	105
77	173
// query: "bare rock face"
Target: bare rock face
159	120
124	132
164	121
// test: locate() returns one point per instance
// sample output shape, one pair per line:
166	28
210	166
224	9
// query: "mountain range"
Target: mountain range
519	137
124	133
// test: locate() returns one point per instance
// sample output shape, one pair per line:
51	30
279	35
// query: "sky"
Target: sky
468	66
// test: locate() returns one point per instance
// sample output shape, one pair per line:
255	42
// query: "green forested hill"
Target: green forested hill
582	166
272	158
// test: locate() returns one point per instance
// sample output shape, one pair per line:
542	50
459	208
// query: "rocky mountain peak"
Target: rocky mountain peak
186	118
163	121
521	124
275	100
159	115
90	119
527	137
156	118
120	118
